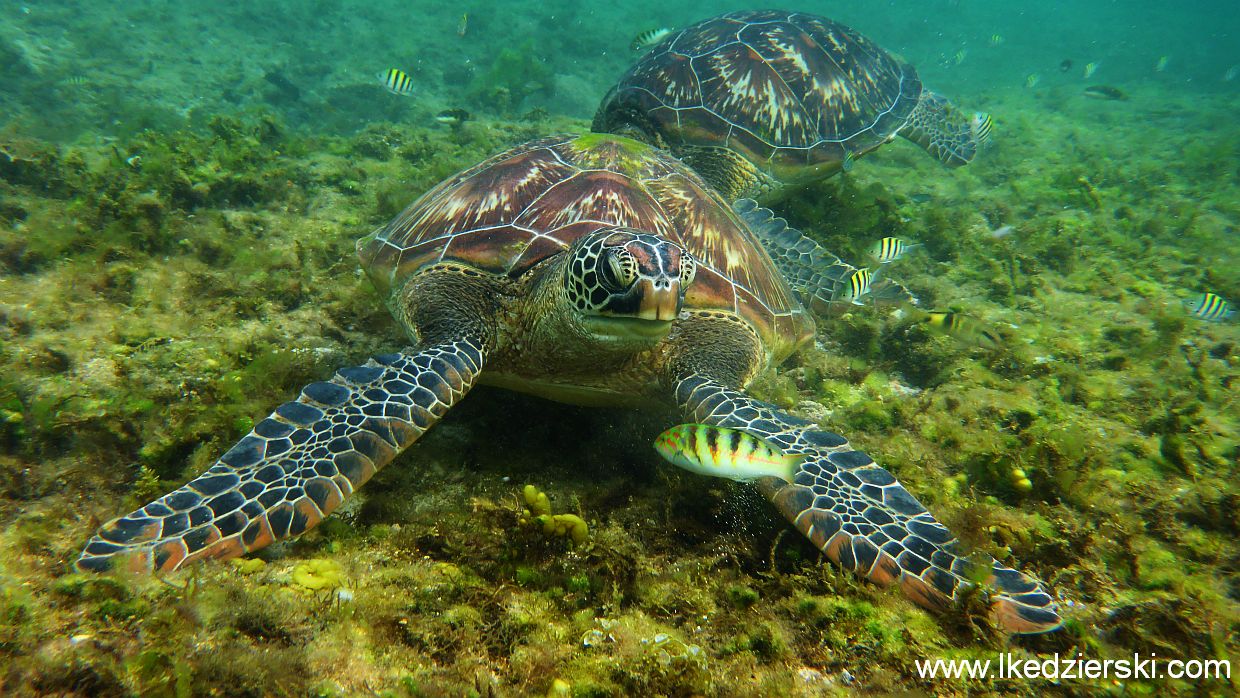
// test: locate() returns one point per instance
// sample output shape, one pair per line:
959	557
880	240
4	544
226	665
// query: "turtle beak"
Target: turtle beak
660	299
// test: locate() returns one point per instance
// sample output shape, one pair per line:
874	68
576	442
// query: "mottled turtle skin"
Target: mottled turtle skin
595	270
759	99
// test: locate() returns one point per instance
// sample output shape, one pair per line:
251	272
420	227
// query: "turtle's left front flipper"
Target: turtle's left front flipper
947	133
297	465
861	517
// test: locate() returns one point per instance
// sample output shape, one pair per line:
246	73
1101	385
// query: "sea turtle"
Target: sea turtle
758	99
590	269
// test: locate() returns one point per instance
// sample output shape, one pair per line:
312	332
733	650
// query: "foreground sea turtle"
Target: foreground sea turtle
595	270
758	99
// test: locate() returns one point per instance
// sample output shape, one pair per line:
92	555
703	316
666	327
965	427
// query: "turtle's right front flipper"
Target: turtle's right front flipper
297	465
818	277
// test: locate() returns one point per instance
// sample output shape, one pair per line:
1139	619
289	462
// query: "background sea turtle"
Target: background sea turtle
591	269
757	99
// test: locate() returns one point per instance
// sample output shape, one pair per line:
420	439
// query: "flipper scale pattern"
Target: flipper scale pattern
296	466
862	517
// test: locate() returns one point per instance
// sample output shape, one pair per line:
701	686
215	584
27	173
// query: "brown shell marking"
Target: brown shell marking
789	88
533	201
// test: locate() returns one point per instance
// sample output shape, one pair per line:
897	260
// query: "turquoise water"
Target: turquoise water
152	64
181	189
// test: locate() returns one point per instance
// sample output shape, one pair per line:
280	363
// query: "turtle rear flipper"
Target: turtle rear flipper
296	466
818	277
862	518
947	133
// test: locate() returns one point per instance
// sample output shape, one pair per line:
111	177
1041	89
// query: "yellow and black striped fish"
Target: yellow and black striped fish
1211	307
721	452
890	249
982	124
649	38
858	286
397	82
962	328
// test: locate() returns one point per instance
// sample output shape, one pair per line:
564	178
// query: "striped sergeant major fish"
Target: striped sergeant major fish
396	81
982	124
727	453
649	38
1210	307
890	249
858	286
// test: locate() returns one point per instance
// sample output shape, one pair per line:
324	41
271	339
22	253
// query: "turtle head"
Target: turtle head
627	285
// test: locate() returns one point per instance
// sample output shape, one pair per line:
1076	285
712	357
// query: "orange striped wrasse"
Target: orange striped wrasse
728	453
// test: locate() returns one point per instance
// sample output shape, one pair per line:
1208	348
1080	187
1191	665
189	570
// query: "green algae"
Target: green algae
318	575
569	526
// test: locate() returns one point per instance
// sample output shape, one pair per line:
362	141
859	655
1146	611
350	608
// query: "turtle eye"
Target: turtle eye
688	269
621	269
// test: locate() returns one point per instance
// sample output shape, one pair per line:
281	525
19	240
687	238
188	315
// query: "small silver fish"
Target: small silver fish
1000	233
1106	92
889	249
649	38
1209	307
396	82
452	117
729	453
